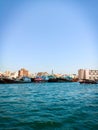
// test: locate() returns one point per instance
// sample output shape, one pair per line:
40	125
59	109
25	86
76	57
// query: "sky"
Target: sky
41	35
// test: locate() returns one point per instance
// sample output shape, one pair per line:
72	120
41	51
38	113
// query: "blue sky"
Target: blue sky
42	35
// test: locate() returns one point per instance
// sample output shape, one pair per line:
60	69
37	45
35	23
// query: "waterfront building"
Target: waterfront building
88	74
23	72
0	74
42	74
73	76
14	75
31	75
7	73
58	75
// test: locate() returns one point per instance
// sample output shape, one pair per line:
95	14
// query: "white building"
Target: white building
7	73
14	75
88	74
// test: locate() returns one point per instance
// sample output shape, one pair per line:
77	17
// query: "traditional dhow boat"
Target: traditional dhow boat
86	81
39	80
6	80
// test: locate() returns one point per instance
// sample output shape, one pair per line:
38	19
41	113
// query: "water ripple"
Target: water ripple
49	106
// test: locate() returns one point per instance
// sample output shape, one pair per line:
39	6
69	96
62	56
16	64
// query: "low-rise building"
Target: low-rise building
14	75
42	74
58	75
7	73
0	74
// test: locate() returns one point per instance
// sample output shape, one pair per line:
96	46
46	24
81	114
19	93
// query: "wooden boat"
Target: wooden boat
52	80
11	81
85	81
38	80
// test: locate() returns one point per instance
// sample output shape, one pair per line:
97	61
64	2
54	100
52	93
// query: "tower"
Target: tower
52	72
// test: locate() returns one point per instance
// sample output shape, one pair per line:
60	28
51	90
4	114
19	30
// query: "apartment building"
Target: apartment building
23	72
88	74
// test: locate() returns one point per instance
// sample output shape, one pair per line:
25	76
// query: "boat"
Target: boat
39	80
1	81
6	80
87	81
63	80
52	80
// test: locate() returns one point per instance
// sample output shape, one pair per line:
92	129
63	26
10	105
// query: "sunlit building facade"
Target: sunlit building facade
23	72
88	74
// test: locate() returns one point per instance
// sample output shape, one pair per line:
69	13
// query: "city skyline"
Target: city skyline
41	36
51	72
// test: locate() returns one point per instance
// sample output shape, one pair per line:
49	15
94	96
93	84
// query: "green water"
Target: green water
48	106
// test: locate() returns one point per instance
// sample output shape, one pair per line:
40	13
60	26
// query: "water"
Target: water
49	106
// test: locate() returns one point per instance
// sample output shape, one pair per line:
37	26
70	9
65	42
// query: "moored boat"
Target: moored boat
6	80
39	79
86	81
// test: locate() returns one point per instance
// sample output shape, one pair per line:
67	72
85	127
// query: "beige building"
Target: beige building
7	73
14	75
42	74
23	72
0	74
88	74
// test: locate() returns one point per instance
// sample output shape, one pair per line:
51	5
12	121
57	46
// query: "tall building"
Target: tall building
93	74
81	73
23	72
88	74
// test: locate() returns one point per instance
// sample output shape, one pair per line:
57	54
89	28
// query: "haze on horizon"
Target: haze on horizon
44	35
